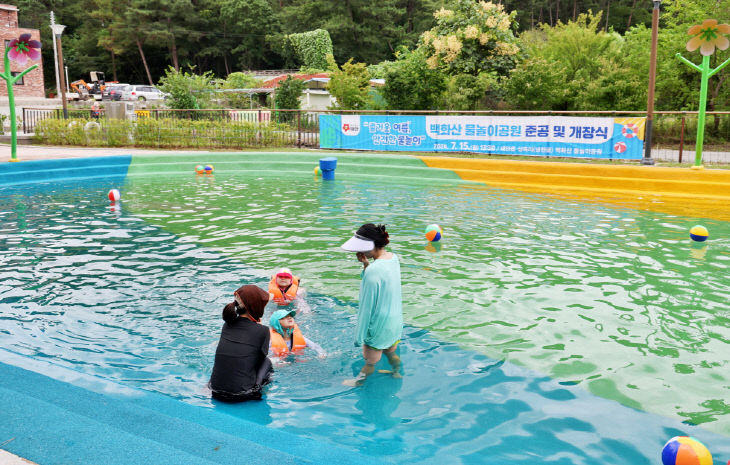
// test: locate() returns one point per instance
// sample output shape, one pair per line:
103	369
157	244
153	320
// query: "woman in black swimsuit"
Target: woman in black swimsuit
241	367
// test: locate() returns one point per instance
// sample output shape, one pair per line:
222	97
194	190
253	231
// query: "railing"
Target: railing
231	128
31	116
272	72
673	138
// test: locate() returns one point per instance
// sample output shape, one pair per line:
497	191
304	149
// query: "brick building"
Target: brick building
32	83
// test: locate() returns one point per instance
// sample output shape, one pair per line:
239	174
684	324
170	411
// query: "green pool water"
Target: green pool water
537	329
618	301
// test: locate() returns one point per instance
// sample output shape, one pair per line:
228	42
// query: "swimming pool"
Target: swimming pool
540	330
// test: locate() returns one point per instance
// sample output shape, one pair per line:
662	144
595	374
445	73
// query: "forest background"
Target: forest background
434	54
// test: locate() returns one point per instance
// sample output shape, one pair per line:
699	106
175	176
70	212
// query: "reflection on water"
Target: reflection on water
525	308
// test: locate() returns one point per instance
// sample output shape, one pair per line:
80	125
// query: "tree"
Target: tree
468	92
246	23
312	48
187	90
411	84
577	66
287	96
364	30
679	16
111	37
349	85
239	81
470	38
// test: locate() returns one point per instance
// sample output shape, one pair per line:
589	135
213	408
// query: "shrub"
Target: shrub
350	85
312	48
287	97
187	90
165	132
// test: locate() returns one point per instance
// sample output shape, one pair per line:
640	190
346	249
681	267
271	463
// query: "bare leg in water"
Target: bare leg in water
372	356
394	361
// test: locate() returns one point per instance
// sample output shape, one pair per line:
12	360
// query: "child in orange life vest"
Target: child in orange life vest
286	337
284	289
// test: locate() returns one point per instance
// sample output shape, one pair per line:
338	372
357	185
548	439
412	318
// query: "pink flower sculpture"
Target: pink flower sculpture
707	36
23	49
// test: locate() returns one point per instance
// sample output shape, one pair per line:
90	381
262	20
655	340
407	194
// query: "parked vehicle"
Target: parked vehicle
141	92
113	92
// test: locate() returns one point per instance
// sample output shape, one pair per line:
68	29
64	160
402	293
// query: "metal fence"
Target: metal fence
673	138
31	116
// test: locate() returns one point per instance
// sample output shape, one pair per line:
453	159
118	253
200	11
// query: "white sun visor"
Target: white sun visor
358	243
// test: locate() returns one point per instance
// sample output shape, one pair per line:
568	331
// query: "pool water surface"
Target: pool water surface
538	330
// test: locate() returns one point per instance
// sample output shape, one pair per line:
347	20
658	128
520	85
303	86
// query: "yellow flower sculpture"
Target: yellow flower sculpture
707	36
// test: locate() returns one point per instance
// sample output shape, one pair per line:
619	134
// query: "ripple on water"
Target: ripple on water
531	307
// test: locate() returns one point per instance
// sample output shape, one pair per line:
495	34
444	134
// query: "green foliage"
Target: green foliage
410	84
378	70
678	85
366	31
577	66
113	133
187	90
239	81
350	85
312	48
468	92
470	38
287	97
244	22
288	93
537	84
165	132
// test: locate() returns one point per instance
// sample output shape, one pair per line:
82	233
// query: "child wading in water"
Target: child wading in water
286	337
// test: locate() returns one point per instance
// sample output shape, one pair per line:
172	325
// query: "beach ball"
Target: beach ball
434	232
114	195
208	169
199	169
699	233
619	147
316	171
685	450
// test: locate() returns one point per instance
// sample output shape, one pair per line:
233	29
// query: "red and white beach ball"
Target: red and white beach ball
619	147
114	195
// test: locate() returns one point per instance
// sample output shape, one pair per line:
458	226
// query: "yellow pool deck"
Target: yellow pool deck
677	191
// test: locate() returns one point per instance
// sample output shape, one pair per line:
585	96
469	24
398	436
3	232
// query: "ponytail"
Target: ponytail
377	234
230	312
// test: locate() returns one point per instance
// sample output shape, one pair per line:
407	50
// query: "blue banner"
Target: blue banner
558	136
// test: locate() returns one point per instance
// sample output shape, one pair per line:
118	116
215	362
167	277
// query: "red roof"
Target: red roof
274	83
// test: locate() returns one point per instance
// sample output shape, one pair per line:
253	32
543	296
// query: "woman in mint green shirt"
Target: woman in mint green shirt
380	313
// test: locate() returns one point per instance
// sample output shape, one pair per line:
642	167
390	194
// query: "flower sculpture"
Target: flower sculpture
19	50
707	36
23	49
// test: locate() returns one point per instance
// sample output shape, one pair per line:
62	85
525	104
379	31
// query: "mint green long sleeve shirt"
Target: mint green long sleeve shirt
380	315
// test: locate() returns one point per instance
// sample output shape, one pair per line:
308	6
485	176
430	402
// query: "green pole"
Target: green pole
11	103
705	73
10	80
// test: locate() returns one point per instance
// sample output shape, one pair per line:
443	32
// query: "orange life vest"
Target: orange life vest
279	346
284	298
